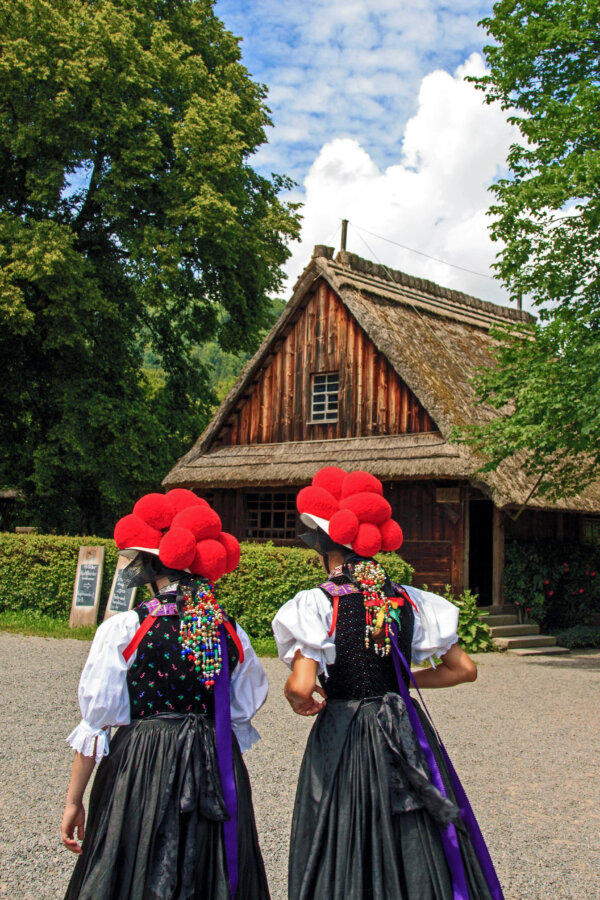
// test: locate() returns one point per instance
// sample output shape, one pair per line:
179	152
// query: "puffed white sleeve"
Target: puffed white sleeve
103	695
248	691
436	624
303	624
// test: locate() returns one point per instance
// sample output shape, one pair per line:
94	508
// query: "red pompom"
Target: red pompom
360	482
177	548
131	531
181	498
330	479
155	509
368	507
343	526
210	560
316	501
391	535
368	540
232	548
202	521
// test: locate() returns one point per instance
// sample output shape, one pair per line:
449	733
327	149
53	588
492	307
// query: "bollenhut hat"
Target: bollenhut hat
350	508
182	532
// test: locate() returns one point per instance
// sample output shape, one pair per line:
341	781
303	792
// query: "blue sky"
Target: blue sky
373	120
347	69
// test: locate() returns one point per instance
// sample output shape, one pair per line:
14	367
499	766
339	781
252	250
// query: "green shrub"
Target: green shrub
554	584
579	636
37	574
474	635
269	576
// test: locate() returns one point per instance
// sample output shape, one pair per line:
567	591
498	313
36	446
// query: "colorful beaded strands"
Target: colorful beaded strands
380	610
199	632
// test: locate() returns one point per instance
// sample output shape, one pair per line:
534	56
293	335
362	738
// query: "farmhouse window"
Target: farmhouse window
324	397
591	531
271	516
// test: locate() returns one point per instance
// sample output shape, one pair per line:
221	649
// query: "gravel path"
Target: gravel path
524	738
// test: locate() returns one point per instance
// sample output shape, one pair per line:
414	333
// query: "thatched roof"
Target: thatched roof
434	338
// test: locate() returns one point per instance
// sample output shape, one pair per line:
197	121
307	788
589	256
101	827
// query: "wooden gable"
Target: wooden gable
323	338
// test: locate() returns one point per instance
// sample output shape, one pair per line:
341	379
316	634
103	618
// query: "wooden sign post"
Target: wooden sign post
88	582
120	598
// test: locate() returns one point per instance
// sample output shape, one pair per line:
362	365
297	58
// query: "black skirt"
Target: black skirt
154	829
367	819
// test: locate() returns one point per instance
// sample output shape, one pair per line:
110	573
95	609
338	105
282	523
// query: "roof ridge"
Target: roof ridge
351	261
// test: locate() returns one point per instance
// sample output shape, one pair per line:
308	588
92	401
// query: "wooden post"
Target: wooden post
344	233
497	557
88	582
120	599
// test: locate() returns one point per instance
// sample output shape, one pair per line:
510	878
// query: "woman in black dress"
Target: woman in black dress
377	812
171	807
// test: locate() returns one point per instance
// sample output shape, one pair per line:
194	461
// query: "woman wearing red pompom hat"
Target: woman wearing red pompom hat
379	810
171	807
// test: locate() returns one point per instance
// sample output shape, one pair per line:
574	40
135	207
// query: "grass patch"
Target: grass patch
23	622
264	646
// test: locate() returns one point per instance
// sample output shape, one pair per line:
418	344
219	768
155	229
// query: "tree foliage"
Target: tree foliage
545	70
130	216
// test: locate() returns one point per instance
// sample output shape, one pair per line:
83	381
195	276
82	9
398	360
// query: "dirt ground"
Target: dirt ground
524	738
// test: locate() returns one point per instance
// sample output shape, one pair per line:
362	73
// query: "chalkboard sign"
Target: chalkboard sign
85	594
120	598
88	582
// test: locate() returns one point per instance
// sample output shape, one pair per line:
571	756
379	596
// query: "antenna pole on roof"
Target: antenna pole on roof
344	233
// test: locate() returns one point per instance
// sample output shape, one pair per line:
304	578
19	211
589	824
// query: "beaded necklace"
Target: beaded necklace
380	610
199	632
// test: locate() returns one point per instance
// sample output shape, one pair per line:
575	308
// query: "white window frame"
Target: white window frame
324	402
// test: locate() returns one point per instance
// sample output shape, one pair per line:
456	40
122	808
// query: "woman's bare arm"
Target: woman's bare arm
455	668
74	814
301	685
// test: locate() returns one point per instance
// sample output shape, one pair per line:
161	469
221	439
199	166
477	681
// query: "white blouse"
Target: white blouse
303	624
104	698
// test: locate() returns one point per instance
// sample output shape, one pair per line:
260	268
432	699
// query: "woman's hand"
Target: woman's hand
306	706
73	818
301	685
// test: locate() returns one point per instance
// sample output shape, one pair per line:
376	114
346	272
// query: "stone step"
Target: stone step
525	640
495	620
538	651
514	630
505	609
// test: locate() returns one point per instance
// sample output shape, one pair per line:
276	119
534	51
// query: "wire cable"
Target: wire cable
421	253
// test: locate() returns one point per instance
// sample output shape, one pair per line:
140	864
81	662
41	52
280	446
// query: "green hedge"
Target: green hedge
37	574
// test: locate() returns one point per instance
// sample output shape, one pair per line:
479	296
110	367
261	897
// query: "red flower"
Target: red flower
546	582
528	609
550	593
581	590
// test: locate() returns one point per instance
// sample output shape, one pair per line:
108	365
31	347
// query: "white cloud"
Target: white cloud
433	199
348	69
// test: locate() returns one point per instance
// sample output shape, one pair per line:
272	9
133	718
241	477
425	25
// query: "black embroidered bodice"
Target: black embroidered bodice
160	680
359	672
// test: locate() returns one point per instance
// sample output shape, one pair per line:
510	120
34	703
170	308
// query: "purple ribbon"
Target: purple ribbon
225	760
449	836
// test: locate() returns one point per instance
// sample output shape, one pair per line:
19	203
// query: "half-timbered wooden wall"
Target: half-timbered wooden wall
324	338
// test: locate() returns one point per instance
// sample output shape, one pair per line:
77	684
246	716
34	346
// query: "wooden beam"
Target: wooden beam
498	557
